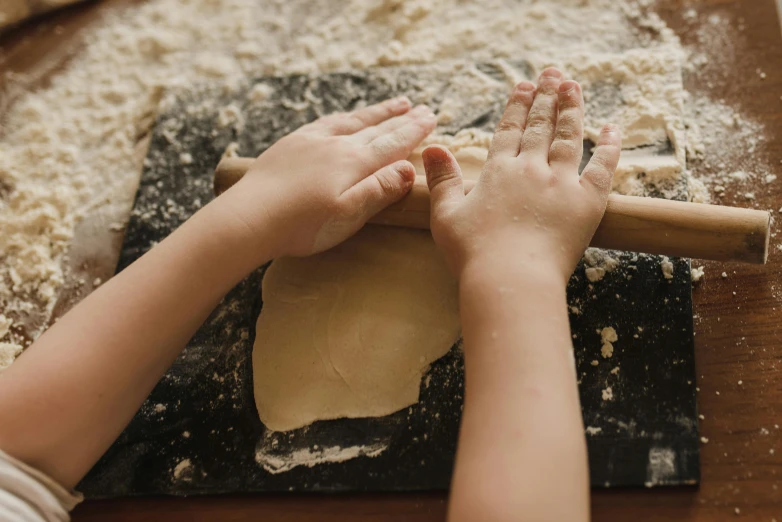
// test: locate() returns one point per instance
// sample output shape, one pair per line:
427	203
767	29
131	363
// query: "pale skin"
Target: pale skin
512	243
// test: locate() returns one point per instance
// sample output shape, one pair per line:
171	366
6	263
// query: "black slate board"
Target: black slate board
199	433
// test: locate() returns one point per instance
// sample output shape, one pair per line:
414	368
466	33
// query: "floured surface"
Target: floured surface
208	393
87	122
351	331
310	457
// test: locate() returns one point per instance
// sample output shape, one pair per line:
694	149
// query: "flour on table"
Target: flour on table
310	457
608	336
667	267
183	470
597	263
697	273
89	121
5	325
8	352
232	116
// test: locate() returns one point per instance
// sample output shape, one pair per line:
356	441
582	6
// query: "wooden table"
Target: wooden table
737	336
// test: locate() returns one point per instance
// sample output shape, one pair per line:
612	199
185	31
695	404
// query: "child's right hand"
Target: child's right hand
530	208
320	184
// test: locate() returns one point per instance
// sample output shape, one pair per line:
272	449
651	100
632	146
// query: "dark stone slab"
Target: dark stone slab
202	412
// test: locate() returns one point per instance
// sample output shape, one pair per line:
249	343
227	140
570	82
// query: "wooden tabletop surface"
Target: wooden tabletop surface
737	336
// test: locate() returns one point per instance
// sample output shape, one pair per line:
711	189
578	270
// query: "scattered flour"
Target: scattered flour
231	115
608	394
183	470
597	263
5	325
697	274
8	352
667	267
591	430
608	336
260	92
661	466
310	457
89	122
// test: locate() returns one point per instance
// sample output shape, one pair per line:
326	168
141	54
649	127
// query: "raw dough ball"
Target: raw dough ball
351	331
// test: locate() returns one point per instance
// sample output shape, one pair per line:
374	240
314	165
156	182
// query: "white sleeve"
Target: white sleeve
27	495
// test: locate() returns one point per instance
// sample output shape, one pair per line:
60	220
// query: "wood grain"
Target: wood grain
15	11
738	336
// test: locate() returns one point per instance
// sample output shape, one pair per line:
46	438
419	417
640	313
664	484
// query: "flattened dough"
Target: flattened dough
351	331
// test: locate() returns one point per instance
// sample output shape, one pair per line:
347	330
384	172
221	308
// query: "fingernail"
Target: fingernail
399	101
567	87
525	86
551	72
610	129
421	110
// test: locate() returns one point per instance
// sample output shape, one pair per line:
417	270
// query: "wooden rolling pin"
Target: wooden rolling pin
636	224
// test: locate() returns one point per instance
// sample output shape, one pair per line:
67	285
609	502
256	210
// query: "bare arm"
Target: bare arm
72	392
513	243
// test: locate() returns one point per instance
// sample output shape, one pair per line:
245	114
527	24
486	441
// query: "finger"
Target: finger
399	143
444	178
599	172
542	119
568	145
368	134
507	135
387	185
352	122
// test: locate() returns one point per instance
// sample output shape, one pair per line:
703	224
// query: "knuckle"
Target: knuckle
355	118
569	103
541	120
386	182
519	98
333	118
606	157
444	178
563	149
509	125
569	124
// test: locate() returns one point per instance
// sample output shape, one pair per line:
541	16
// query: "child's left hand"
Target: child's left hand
320	184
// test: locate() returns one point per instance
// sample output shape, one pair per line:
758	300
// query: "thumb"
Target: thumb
388	185
599	172
444	178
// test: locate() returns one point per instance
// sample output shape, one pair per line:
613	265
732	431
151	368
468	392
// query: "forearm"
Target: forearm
73	391
522	451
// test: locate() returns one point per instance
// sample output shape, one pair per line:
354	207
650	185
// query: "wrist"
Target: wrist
506	271
248	243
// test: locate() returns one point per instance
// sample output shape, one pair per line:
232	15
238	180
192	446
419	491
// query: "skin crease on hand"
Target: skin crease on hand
513	242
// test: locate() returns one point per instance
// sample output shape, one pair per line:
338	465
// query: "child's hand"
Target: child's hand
530	208
320	184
